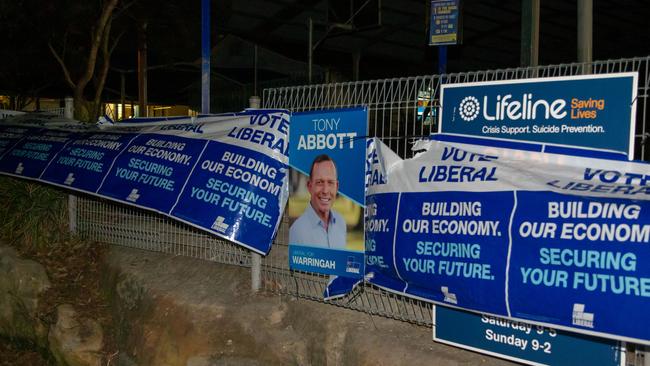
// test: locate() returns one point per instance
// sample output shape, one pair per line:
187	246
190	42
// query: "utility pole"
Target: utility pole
529	33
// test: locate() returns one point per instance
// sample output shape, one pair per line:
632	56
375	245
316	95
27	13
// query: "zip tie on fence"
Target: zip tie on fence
644	138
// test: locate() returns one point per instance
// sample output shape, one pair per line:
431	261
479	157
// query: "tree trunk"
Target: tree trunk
80	106
85	110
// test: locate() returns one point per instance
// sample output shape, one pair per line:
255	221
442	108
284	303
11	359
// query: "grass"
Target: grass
34	220
32	216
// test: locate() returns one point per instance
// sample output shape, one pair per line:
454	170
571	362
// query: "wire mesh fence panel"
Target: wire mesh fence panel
101	220
400	111
276	277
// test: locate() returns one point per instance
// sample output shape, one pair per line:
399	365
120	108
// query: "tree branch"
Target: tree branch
66	73
123	8
115	42
103	72
96	42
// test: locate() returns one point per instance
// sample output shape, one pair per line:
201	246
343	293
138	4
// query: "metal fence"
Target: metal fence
394	117
101	220
393	103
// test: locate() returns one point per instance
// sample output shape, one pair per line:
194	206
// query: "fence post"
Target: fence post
256	272
72	213
256	259
68	111
641	356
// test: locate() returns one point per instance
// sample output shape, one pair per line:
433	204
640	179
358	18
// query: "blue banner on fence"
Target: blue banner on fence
594	111
152	170
552	239
576	259
226	174
34	152
85	161
238	191
10	135
454	246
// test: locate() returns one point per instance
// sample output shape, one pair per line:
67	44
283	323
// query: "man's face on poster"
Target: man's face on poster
322	186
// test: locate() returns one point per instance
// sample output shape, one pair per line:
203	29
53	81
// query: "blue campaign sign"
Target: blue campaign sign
152	170
32	154
594	111
380	230
327	152
85	161
10	135
453	246
239	192
507	229
521	342
339	133
443	26
342	263
574	257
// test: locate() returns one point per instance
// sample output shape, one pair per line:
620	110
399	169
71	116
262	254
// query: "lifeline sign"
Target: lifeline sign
226	174
593	111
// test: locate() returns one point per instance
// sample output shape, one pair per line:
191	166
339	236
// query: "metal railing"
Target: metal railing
102	220
393	116
393	103
57	111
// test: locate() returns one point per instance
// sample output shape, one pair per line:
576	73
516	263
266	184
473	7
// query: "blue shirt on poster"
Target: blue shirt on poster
309	230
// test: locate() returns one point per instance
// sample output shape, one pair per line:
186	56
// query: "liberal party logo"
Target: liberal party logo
220	225
133	196
469	108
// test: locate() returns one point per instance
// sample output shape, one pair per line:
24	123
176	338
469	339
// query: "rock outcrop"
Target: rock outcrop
187	312
22	282
74	340
178	311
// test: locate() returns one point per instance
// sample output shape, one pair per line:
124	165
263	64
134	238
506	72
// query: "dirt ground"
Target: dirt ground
12	354
73	268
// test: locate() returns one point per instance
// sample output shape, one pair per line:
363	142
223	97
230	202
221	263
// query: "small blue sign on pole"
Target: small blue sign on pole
521	342
444	25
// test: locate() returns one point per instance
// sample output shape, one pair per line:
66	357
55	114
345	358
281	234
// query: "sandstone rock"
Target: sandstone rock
178	311
75	341
21	284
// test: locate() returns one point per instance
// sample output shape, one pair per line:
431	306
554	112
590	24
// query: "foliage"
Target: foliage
32	215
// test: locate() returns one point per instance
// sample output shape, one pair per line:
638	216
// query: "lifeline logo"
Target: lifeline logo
469	108
526	108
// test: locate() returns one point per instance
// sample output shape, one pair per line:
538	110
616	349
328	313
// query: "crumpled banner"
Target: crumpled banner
225	174
550	235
